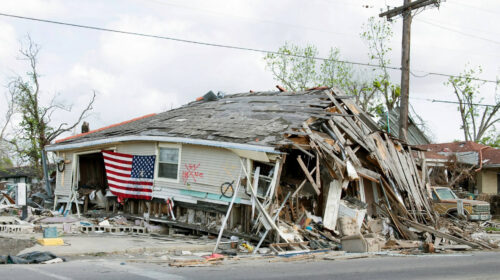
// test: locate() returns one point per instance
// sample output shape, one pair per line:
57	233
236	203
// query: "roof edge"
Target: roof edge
105	127
220	144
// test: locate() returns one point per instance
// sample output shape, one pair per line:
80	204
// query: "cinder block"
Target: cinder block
16	229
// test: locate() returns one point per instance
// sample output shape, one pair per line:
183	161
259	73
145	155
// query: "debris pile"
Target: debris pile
353	187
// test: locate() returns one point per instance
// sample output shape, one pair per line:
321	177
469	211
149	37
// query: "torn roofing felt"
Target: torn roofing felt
258	118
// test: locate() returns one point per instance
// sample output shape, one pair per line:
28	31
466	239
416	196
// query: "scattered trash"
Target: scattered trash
32	257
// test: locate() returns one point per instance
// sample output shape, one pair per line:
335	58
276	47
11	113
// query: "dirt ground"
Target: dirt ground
12	246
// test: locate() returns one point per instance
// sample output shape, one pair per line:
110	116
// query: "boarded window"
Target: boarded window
168	163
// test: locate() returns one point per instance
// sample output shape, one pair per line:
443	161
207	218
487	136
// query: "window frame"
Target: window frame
157	162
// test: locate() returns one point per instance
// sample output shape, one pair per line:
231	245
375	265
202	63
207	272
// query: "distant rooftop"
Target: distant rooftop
490	155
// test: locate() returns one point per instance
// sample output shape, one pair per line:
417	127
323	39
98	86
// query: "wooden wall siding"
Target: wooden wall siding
137	148
204	169
64	187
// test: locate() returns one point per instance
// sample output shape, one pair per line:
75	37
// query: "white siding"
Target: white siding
214	166
137	148
63	182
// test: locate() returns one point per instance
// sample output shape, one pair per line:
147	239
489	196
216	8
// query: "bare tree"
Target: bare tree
477	120
35	131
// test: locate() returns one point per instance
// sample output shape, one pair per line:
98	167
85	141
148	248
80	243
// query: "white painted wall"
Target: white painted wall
214	166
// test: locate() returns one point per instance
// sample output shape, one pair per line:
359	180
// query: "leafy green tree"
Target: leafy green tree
294	67
35	130
492	139
478	121
377	34
299	68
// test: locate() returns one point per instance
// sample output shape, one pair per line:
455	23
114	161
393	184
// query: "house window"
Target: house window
168	163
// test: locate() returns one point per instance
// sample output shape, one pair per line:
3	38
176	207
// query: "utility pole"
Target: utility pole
405	11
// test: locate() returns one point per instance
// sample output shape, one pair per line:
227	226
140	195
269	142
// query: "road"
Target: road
476	265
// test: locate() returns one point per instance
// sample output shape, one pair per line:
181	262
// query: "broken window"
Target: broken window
168	163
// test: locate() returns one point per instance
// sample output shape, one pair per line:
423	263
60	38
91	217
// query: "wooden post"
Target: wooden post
228	212
405	11
405	74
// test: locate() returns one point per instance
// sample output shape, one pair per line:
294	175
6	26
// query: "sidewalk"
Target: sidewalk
96	244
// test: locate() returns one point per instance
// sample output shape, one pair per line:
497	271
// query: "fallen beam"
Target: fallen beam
442	234
308	175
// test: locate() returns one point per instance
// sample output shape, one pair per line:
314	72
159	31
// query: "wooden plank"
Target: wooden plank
259	207
368	174
362	115
308	176
351	171
337	132
332	205
278	177
302	150
302	184
350	153
441	234
318	172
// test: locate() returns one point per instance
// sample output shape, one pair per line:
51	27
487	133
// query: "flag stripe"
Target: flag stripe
118	166
117	172
135	190
128	182
129	176
118	162
119	156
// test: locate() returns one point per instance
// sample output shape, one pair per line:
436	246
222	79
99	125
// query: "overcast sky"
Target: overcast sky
134	76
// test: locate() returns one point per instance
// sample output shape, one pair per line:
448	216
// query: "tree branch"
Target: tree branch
61	130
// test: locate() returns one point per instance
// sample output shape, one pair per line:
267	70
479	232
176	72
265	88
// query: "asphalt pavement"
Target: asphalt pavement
469	265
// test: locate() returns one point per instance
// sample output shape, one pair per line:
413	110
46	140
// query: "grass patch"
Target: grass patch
492	229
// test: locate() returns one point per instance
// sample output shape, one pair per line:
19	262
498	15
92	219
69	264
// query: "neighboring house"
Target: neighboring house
415	135
481	161
23	174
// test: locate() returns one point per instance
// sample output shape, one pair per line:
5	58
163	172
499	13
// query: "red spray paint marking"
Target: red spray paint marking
191	173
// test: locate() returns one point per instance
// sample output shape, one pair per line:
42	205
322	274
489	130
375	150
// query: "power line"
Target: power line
191	41
225	46
473	7
451	102
469	28
459	32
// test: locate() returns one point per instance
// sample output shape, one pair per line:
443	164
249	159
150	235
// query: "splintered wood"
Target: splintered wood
352	147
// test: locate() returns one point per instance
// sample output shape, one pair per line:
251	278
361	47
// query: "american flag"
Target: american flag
129	176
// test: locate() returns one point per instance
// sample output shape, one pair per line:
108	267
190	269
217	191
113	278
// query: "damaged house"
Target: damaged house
470	166
286	159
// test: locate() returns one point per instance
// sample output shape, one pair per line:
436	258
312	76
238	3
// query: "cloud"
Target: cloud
34	7
135	75
134	52
8	45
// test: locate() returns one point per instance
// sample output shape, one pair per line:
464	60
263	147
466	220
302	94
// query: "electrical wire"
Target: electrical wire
473	7
223	46
451	102
458	31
